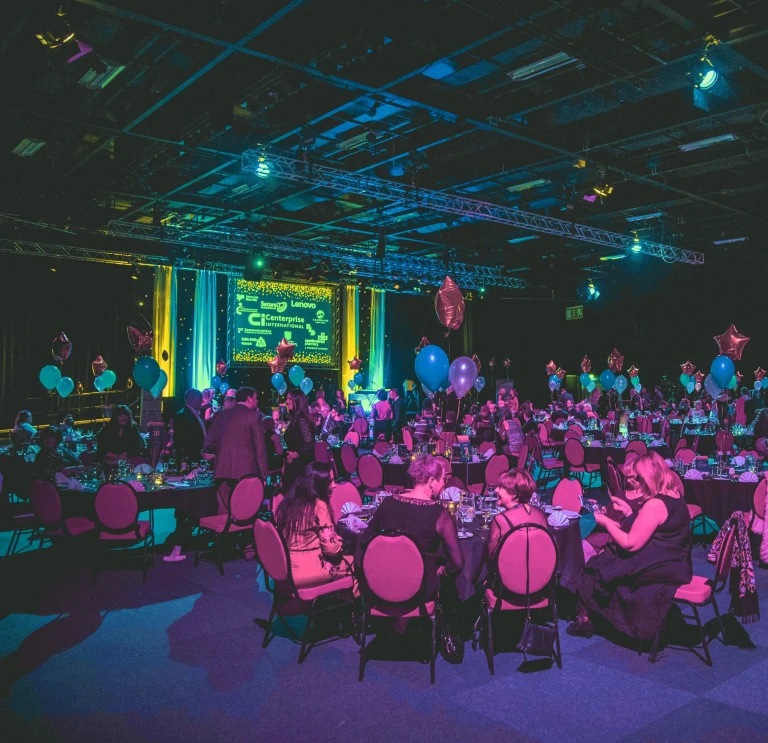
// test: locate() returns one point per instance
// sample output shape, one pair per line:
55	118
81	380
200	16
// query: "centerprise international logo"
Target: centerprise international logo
276	306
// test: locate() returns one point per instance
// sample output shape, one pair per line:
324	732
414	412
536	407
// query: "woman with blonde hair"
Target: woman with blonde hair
631	584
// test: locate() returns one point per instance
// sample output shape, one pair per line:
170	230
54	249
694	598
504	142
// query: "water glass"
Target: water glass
467	509
486	505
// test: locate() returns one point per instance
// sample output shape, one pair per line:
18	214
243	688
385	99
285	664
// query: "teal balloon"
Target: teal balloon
432	366
359	379
283	388
620	384
607	379
638	387
98	383
108	379
684	379
635	381
722	370
758	384
351	384
65	386
691	386
479	384
146	372
765	382
306	385
591	386
733	384
554	382
295	374
585	379
50	376
278	380
216	383
158	387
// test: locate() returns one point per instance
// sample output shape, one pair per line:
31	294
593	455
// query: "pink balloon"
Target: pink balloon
462	375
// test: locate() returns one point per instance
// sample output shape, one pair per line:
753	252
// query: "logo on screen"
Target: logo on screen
276	306
320	315
305	305
261	343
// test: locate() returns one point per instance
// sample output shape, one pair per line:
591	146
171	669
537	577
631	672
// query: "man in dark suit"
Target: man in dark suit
188	427
237	437
398	413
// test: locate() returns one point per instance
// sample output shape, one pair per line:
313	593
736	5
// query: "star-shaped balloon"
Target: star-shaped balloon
699	376
560	374
739	377
98	366
633	371
355	364
506	363
276	365
586	365
759	374
731	343
477	361
140	340
492	362
422	344
551	368
61	348
615	361
449	304
285	350
688	368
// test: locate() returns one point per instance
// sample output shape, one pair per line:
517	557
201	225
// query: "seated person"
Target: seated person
23	430
67	426
52	457
515	490
631	584
484	420
421	430
579	413
119	438
333	421
449	426
304	521
558	414
529	424
511	433
428	408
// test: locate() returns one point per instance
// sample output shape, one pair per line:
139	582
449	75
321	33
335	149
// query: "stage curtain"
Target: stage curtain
350	333
377	353
204	330
164	324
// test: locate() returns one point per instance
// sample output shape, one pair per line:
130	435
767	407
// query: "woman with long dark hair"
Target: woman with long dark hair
119	438
299	438
304	521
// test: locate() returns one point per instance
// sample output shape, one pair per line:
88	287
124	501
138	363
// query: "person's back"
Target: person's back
236	434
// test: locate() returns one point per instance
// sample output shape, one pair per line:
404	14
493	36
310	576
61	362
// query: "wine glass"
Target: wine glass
485	512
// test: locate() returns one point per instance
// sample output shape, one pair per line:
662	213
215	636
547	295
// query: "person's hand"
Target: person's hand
208	456
441	570
602	520
621	506
292	455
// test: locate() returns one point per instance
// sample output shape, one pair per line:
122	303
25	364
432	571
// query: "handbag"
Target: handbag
452	647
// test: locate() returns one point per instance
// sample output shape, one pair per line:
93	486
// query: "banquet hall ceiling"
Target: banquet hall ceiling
149	126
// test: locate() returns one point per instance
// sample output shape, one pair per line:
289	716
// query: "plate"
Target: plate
465	534
570	514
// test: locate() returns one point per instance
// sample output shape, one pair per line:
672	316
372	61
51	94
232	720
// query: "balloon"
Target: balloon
462	375
432	366
586	365
758	384
635	380
709	385
765	383
492	362
560	373
423	343
731	343
479	384
550	368
585	379
216	383
221	367
276	365
638	387
305	385
278	380
98	366
108	379
607	379
224	387
733	384
506	363
283	388
351	384
49	376
621	383
722	370
591	386
140	340
295	374
98	383
615	361
65	386
633	371
760	373
146	372
552	384
449	304
355	364
159	386
359	379
688	368
691	386
61	348
478	363
554	379
684	379
697	386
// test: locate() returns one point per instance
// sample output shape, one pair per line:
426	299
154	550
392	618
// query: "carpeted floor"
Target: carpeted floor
180	659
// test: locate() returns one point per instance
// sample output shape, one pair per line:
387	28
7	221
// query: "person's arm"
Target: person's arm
494	537
307	445
651	516
330	542
210	436
446	528
260	445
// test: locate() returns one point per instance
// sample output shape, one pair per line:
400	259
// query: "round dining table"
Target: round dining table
470	473
719	498
600	455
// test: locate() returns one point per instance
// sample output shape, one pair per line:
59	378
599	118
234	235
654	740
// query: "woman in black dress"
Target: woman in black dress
631	584
299	438
119	439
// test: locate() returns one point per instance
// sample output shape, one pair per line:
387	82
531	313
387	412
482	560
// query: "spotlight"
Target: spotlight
592	291
637	246
603	190
57	31
704	73
481	291
262	169
255	267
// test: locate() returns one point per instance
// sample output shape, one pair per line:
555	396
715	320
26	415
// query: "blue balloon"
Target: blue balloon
607	379
635	381
638	387
552	384
296	374
554	380
684	379
224	388
432	366
278	380
283	388
351	384
722	370
479	384
591	386
65	386
585	379
758	384
691	386
216	383
98	383
146	372
765	382
50	377
158	387
108	379
359	379
733	384
621	383
306	385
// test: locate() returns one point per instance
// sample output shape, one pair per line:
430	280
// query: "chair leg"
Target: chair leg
719	620
269	626
702	635
217	555
363	634
489	640
433	649
559	656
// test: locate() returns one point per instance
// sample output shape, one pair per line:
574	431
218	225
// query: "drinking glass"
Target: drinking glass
485	512
467	509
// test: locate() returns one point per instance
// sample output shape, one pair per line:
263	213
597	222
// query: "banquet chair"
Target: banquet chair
544	437
408	438
571	434
682	443
638	446
607	428
49	518
724	441
352	437
455	482
568	494
749	453
324	454
486	446
546	467
521	577
118	526
577	429
394	584
694	512
686	456
644	425
360	426
381	447
349	462
275	505
701	592
448	437
244	504
343	493
575	458
371	474
758	502
615	479
522	458
287	599
440	446
497	465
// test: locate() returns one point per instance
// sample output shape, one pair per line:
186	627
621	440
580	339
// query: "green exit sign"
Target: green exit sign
574	313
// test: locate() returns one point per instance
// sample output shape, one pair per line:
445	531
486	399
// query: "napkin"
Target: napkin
693	475
656	442
144	469
669	462
747	477
138	486
739	461
596	443
488	454
68	482
557	518
475	458
453	493
355	524
350	507
395	459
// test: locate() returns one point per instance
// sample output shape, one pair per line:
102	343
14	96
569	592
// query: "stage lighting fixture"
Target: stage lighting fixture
592	291
637	246
262	169
57	31
481	291
603	190
704	74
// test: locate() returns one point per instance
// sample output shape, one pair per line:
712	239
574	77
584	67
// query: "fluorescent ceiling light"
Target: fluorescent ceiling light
523	239
94	80
529	184
612	257
643	217
543	65
728	240
708	142
28	147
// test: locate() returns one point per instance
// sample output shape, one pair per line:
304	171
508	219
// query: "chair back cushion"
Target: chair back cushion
542	559
408	439
349	458
638	446
343	493
116	506
574	452
486	446
46	503
277	499
393	568
522	457
246	499
440	446
352	437
322	452
369	470
577	429
614	482
543	433
567	495
271	550
569	434
381	447
468	420
758	499
448	437
497	465
455	482
685	455
681	444
360	426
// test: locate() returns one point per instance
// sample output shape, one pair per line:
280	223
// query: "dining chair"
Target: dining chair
118	526
638	446
497	464
546	442
682	443
724	441
277	499
381	447
546	467
468	420
408	439
749	453
522	577
48	514
243	506
686	456
615	478
455	482
352	437
576	460
449	438
342	493
577	429
701	592
644	425
522	458
758	502
568	495
287	599
323	452
349	462
360	426
486	446
394	584
371	474
571	434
